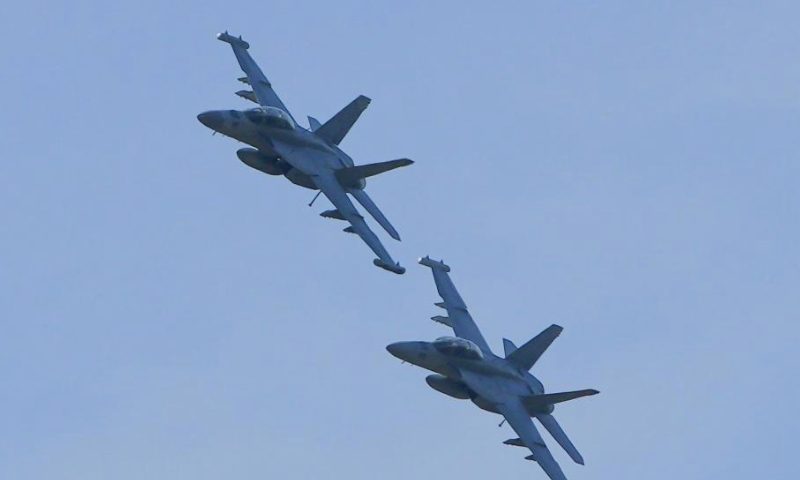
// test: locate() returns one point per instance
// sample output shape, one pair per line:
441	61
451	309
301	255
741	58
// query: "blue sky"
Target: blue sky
626	170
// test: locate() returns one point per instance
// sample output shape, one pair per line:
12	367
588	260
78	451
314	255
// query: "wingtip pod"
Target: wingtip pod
396	268
227	38
440	265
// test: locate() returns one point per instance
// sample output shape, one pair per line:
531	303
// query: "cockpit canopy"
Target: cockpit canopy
270	117
458	347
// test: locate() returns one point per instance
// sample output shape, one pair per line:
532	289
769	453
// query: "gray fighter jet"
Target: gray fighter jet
467	369
310	158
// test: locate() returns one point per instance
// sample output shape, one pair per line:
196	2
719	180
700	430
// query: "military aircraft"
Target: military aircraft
310	158
466	368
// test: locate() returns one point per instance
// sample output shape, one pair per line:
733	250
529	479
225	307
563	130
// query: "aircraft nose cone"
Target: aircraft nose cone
399	350
211	119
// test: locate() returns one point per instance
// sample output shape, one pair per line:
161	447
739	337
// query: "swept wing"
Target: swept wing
459	317
516	415
508	403
326	181
262	88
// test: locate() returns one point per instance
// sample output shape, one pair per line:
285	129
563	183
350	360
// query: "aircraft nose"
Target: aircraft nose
400	350
212	119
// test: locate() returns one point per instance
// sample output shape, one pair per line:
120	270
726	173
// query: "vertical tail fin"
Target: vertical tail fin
527	355
313	123
509	347
335	129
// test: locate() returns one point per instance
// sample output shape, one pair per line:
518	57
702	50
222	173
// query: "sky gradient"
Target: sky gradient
627	171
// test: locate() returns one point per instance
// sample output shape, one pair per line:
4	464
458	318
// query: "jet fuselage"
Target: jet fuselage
488	366
255	129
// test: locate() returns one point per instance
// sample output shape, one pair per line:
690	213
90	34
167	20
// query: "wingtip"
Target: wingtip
428	262
396	268
228	38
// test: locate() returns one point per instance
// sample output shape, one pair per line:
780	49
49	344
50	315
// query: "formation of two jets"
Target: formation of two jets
464	366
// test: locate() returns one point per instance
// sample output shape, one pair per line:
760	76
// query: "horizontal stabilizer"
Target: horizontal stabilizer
373	210
549	422
541	403
509	347
351	177
248	95
313	123
335	129
443	320
527	355
440	265
334	214
396	268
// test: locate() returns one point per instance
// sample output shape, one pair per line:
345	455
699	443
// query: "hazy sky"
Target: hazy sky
629	172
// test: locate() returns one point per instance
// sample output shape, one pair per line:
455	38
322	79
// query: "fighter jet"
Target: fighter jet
310	158
465	368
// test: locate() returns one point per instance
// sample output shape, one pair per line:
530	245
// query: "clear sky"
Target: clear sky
628	170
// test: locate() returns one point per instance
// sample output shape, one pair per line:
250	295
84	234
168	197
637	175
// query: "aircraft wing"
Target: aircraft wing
516	415
326	181
507	398
458	315
262	88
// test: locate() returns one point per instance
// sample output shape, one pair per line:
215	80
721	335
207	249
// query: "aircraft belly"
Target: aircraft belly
307	160
484	404
299	178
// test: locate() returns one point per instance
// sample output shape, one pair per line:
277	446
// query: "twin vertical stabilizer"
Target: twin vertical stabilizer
527	355
334	130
